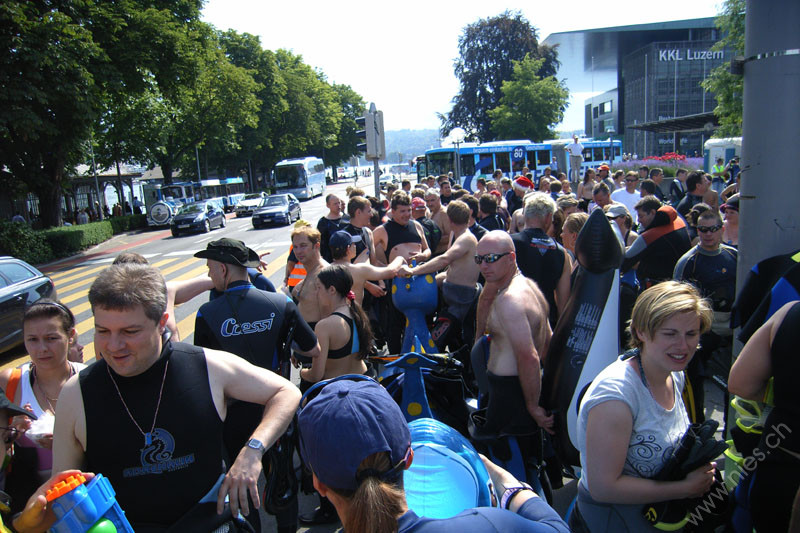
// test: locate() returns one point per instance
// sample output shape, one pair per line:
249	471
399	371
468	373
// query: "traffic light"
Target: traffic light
380	141
366	133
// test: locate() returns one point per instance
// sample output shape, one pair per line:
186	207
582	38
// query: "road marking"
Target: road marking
180	253
79	284
186	326
179	266
276	264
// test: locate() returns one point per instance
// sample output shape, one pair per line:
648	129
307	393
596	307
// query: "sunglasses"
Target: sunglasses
489	258
629	180
712	229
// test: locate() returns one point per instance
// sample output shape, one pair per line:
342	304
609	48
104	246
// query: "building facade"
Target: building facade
642	83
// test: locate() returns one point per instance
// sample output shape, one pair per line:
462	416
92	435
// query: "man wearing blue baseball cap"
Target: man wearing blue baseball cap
357	444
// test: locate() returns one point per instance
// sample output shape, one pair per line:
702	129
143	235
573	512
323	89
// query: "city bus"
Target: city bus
482	159
303	177
229	190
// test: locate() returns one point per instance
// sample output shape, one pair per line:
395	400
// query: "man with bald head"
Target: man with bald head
513	311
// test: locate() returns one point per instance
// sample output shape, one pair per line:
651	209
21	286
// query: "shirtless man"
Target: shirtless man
343	250
514	312
305	242
460	287
439	216
401	236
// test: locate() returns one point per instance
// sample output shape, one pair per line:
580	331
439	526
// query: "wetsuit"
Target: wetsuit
433	233
677	190
259	281
327	227
777	475
492	222
658	248
396	234
687	202
714	275
156	483
541	258
513	201
361	238
254	325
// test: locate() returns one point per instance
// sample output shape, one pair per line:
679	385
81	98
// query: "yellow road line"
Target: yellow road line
81	272
180	265
186	326
276	264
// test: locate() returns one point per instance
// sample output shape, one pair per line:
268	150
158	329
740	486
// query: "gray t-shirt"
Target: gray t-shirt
655	430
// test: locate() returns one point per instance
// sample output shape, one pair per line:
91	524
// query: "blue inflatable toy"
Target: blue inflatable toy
416	297
446	476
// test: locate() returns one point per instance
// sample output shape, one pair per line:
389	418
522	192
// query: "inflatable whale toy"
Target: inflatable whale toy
586	337
416	297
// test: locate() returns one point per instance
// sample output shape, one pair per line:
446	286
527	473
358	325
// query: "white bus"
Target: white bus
302	177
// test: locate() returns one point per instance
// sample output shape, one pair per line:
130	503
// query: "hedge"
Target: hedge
40	246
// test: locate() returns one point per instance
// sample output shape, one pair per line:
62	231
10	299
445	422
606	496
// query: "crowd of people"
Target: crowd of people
184	431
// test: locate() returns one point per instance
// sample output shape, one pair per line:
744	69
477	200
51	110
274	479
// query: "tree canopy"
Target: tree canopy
487	51
728	88
531	105
148	82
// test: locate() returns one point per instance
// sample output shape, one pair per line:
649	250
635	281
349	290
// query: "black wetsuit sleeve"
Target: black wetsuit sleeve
303	334
203	336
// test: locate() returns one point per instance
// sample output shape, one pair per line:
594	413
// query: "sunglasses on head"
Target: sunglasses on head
489	258
712	229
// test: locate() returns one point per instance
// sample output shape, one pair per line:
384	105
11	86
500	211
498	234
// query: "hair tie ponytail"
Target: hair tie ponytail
351	295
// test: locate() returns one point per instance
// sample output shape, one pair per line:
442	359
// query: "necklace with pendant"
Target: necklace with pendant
148	437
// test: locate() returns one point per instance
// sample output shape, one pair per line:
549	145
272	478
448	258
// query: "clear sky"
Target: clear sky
400	54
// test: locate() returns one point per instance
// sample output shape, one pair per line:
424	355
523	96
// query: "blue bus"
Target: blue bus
303	177
481	160
229	190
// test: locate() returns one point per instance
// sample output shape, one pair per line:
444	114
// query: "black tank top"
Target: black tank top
541	259
397	234
352	345
155	484
785	372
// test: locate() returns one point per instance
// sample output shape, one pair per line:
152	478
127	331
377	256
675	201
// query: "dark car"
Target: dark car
20	286
277	209
198	216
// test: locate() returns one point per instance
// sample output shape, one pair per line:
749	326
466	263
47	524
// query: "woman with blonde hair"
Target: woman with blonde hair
632	414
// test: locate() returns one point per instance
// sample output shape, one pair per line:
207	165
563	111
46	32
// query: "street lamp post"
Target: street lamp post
611	133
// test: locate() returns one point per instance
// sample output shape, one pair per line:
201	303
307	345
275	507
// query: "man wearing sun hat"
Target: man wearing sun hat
357	444
256	326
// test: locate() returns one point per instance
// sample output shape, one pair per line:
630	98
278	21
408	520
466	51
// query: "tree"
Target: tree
728	88
352	105
531	105
487	50
212	104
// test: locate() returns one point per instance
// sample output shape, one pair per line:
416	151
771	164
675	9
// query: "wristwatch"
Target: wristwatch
257	445
510	492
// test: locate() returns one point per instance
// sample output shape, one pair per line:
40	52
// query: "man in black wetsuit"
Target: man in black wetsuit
540	257
445	191
403	237
150	415
696	187
330	224
254	325
433	233
488	218
476	229
711	267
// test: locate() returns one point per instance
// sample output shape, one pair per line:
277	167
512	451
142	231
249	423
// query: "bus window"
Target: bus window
467	165
440	163
531	162
290	176
489	168
543	158
587	154
599	154
503	162
516	166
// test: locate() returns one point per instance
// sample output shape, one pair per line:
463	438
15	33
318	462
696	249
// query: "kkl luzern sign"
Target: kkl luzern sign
691	55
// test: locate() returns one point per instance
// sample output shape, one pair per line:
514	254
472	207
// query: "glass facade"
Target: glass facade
662	81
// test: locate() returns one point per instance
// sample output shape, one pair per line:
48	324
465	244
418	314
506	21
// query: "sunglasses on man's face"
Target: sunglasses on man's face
489	258
631	180
712	229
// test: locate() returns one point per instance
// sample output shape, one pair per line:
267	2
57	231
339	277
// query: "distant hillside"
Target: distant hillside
404	145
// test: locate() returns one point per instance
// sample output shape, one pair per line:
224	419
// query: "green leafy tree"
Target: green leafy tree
212	104
728	88
487	50
531	105
352	105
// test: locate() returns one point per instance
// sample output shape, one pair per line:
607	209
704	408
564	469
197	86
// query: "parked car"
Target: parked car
249	203
198	216
20	285
278	208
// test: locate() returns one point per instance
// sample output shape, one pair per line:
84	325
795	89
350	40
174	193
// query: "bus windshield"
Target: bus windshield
290	177
174	192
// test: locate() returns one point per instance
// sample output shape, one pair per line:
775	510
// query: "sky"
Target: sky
400	55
